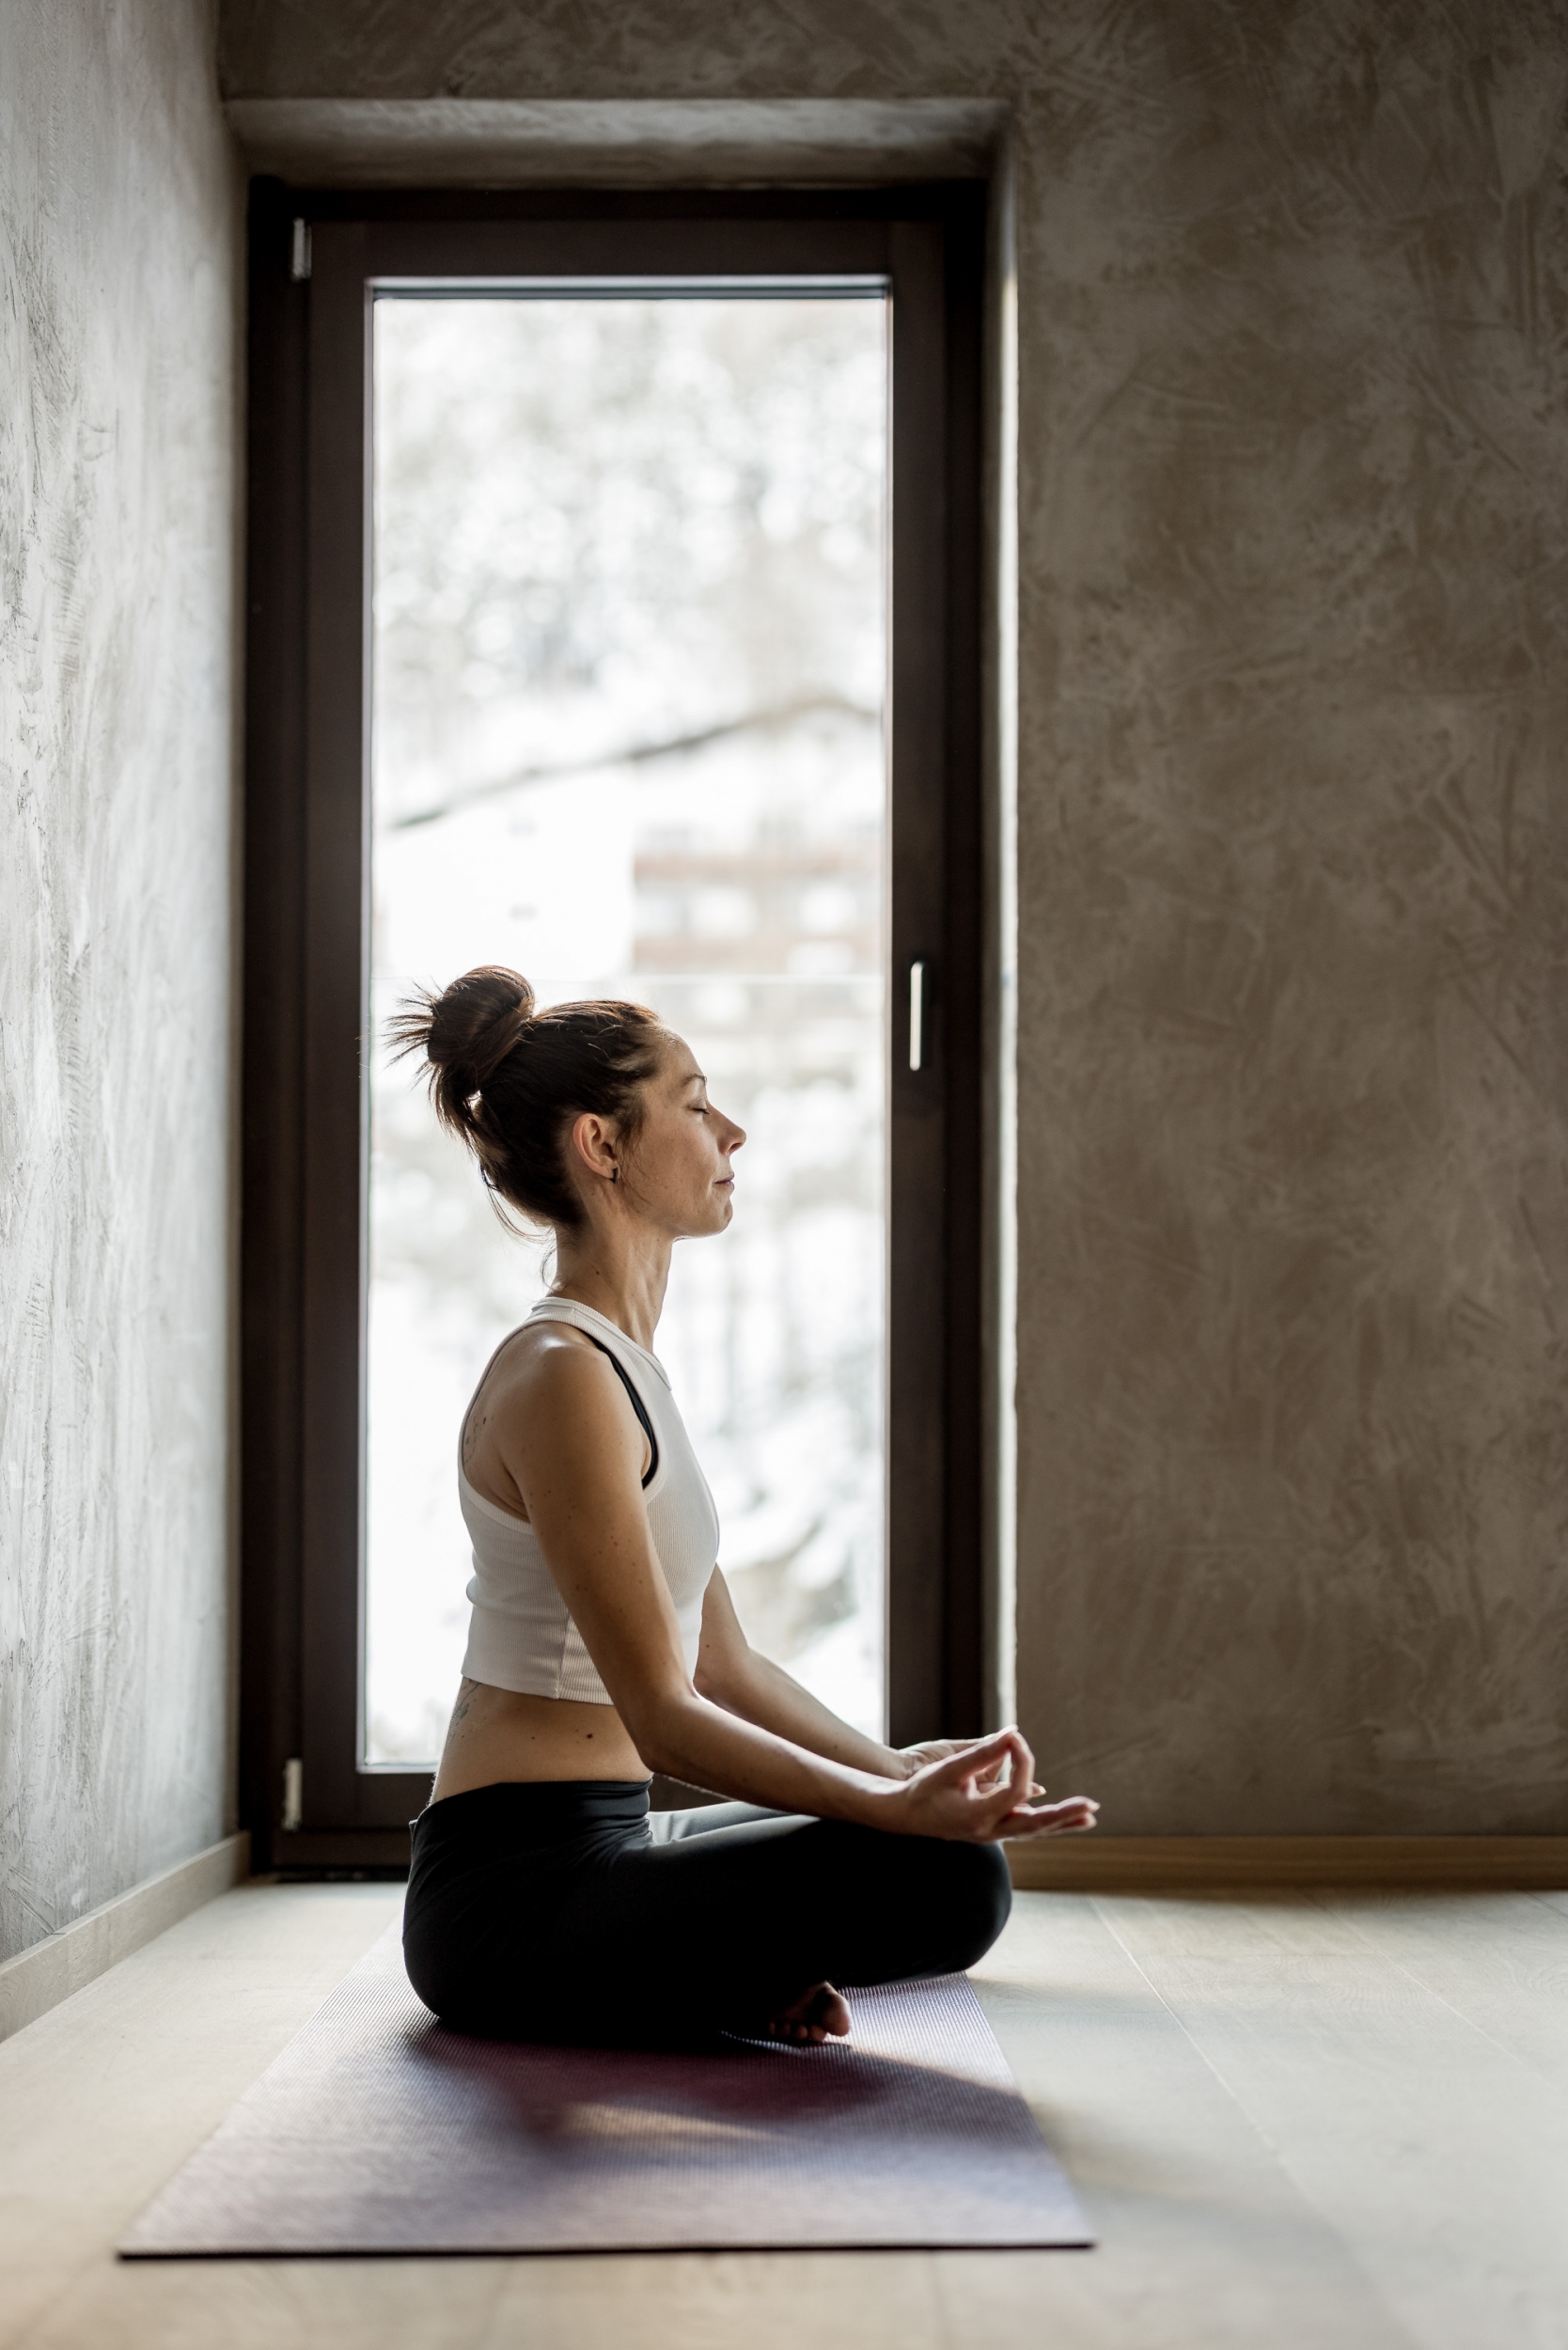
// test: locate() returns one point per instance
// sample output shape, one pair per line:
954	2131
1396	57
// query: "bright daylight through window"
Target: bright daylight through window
630	633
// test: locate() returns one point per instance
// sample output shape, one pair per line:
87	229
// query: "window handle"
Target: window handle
917	1015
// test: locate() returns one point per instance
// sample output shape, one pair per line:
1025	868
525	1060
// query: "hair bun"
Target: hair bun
466	1031
512	1109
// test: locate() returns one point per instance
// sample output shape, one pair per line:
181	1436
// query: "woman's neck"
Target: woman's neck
621	1274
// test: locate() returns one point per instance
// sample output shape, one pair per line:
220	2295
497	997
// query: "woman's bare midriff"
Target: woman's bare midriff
497	1734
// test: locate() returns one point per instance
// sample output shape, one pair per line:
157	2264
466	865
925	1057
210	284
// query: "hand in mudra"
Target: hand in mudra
979	1789
938	1749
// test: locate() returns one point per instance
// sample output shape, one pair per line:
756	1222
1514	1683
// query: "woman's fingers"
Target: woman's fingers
1067	1818
1000	1787
986	1789
939	1750
1021	1775
988	1758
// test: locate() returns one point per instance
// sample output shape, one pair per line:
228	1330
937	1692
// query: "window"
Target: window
609	620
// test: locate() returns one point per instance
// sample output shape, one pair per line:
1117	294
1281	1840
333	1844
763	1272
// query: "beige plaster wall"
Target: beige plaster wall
118	218
1292	502
1294	861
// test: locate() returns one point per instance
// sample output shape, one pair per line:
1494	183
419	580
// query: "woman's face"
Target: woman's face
677	1170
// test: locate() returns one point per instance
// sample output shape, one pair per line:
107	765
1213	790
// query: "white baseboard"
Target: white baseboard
39	1978
1236	1864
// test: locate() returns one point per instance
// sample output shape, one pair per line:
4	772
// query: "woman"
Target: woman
545	1900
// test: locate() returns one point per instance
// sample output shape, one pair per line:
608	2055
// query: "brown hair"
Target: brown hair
509	1079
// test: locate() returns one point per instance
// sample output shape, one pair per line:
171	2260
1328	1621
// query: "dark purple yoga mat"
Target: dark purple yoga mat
377	2130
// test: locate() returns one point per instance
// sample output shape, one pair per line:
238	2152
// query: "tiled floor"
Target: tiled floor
1302	2121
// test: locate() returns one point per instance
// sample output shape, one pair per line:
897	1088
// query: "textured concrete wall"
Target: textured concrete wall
1294	1222
118	371
1293	291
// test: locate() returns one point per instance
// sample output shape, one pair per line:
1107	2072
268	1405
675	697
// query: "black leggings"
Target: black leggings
566	1910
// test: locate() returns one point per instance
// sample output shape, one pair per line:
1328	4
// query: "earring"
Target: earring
614	1174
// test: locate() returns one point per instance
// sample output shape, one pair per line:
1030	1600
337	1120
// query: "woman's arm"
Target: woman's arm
573	1448
734	1675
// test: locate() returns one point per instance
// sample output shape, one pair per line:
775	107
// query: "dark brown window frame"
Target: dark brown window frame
303	1248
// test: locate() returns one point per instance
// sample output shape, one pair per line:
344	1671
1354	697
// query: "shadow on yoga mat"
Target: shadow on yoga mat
379	2131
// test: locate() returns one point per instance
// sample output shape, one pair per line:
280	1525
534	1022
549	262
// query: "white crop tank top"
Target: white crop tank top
520	1636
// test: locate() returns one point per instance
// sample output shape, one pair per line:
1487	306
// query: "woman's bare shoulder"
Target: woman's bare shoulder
543	1369
530	1360
548	1387
539	1364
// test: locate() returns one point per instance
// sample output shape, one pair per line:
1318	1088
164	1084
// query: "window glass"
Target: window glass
630	628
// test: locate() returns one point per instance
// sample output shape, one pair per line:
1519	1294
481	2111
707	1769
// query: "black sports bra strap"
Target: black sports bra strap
637	1404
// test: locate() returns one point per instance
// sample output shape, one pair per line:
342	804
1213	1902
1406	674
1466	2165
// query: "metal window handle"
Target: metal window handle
916	1014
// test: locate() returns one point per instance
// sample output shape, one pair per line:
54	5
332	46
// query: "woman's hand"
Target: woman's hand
978	1790
937	1750
931	1751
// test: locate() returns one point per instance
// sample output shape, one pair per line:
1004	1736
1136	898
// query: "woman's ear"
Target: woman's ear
593	1142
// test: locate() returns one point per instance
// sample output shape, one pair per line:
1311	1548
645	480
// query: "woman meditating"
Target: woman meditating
545	1902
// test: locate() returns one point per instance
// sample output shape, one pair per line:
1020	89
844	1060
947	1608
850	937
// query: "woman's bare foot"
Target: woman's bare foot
818	2014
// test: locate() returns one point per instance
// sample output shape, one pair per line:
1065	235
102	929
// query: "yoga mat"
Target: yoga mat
377	2130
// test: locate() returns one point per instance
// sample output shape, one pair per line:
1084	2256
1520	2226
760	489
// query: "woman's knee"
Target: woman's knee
944	1902
979	1897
